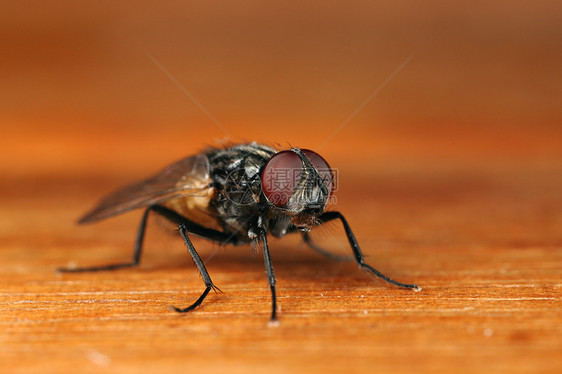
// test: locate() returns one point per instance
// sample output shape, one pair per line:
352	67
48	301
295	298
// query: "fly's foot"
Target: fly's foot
377	273
196	303
88	269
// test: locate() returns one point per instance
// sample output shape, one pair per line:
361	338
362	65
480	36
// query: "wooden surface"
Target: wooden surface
485	247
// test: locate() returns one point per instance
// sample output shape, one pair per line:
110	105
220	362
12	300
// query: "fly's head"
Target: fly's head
298	184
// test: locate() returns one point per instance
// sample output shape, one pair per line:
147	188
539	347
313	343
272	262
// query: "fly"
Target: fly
234	195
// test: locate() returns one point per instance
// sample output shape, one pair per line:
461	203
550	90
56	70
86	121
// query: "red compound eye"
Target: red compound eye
321	167
280	177
282	174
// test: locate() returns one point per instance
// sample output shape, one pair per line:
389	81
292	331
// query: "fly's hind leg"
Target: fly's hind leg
136	253
201	266
173	217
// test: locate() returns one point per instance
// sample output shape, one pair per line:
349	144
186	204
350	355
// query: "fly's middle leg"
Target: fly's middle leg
201	266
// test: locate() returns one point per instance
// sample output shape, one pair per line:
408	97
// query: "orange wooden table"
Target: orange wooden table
484	243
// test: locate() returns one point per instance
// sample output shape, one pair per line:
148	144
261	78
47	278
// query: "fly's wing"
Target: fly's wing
187	177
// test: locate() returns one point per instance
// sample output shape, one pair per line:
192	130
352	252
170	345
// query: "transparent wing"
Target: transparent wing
187	177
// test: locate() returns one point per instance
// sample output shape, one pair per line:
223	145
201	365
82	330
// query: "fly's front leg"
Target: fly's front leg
270	275
329	216
201	266
136	253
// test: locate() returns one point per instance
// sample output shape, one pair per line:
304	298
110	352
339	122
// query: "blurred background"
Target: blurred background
81	95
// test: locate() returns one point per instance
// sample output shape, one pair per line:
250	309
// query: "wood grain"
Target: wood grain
486	247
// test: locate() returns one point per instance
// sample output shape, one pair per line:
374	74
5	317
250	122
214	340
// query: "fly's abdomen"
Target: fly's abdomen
198	209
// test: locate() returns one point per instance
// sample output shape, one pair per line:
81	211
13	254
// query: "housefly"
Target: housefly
234	195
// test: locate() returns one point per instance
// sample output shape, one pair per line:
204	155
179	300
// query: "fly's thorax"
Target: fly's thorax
235	173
